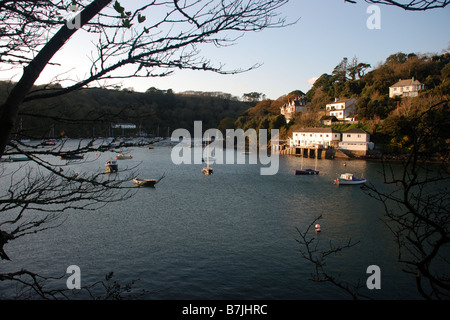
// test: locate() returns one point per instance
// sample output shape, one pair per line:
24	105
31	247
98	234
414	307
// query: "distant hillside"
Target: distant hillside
371	89
266	113
386	119
90	112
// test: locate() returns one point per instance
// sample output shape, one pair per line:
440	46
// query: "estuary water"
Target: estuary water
231	235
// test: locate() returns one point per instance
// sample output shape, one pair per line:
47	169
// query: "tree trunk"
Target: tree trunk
9	110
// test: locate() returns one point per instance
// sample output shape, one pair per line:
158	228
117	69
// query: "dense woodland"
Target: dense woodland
91	112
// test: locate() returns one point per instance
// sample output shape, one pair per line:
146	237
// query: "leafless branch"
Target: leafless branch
411	5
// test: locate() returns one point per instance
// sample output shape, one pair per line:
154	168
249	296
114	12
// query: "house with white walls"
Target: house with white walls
355	140
406	88
343	110
315	137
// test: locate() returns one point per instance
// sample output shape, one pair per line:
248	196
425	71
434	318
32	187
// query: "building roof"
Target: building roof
340	101
405	83
318	130
333	118
355	130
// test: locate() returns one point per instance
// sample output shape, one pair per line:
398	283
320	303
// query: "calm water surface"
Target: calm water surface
231	235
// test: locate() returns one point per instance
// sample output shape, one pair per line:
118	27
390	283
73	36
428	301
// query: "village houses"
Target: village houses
313	137
343	110
293	106
406	88
356	140
352	139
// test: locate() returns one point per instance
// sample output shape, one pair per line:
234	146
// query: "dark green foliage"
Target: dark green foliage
90	112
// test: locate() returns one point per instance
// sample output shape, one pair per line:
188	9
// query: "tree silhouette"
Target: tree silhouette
127	44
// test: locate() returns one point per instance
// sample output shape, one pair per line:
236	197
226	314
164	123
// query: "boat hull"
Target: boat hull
123	157
145	182
354	181
19	159
306	172
72	157
207	171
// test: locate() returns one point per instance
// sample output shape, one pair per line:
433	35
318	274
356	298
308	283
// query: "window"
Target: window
349	136
359	136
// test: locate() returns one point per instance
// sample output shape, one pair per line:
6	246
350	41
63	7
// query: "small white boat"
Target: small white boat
348	178
122	156
111	166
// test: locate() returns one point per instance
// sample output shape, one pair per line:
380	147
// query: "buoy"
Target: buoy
317	226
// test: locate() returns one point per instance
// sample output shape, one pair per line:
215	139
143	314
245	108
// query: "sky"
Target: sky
293	56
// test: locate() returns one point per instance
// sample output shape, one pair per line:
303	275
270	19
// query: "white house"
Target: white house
313	137
342	109
406	88
293	106
356	140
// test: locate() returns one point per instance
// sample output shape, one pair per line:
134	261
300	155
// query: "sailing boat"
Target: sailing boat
307	171
207	170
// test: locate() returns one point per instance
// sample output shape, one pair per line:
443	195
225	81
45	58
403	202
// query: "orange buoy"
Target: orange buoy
317	226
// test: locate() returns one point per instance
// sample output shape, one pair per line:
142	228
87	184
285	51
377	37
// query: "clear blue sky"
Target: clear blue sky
327	31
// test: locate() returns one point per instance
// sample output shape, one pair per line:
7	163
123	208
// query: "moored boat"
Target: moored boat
16	159
121	156
207	170
348	178
306	172
147	182
111	166
49	142
71	156
144	182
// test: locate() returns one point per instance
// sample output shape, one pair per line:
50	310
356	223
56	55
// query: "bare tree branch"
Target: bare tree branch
410	5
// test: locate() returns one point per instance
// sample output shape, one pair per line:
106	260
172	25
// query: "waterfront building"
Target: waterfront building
356	140
315	137
352	140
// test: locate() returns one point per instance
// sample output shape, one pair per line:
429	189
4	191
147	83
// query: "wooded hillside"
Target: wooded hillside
383	117
90	112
